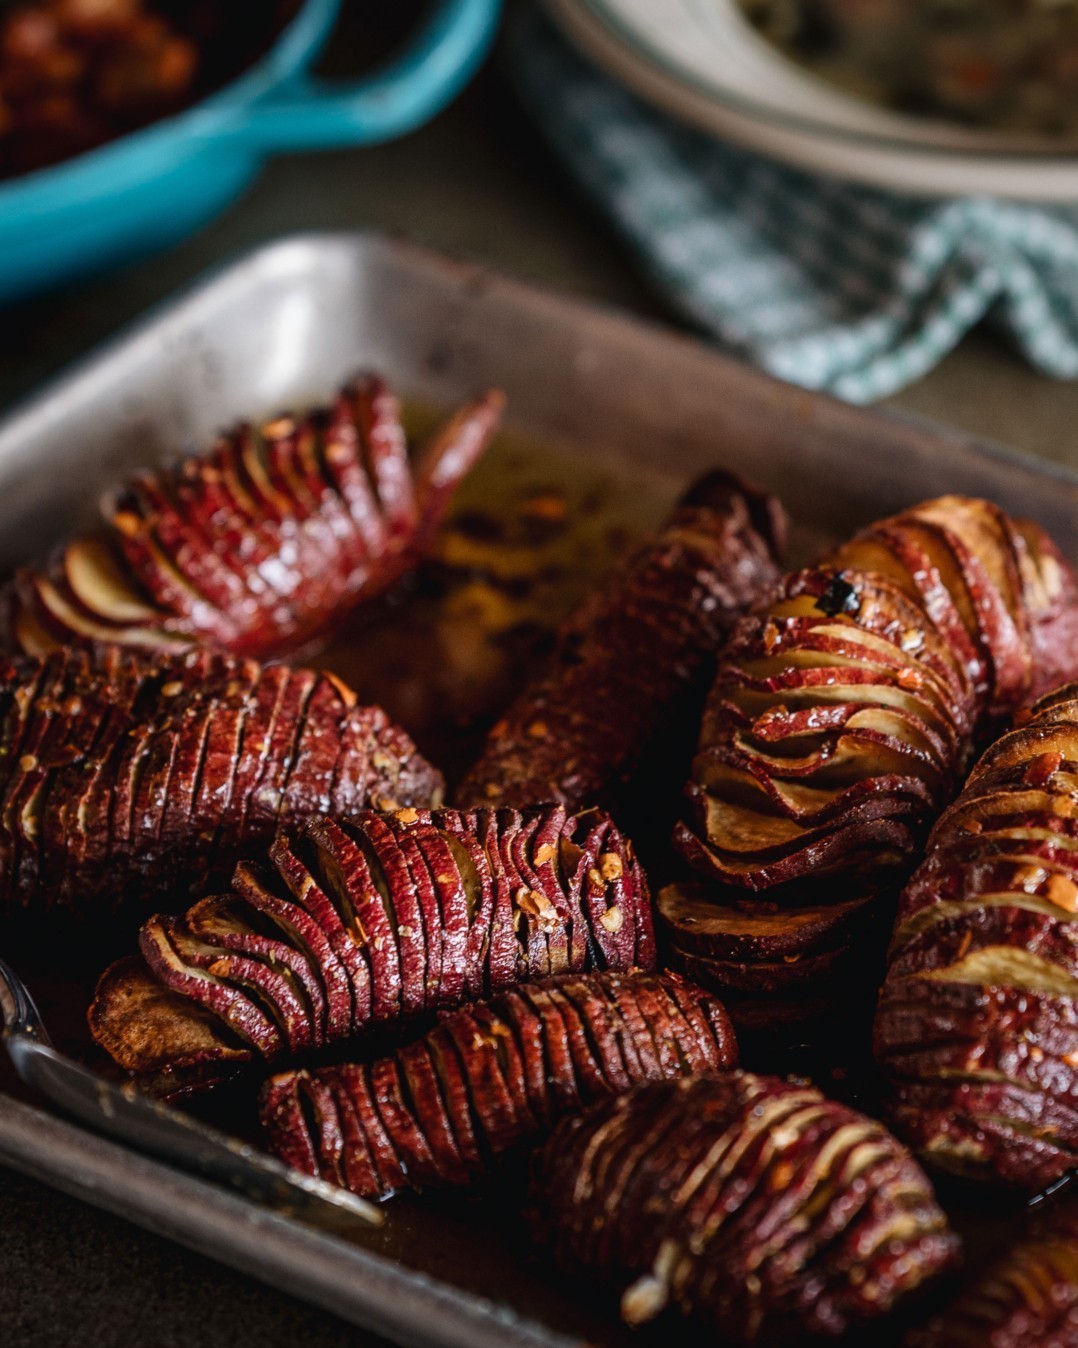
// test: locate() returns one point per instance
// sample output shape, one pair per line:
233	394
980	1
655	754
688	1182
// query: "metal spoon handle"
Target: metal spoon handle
20	1012
146	1124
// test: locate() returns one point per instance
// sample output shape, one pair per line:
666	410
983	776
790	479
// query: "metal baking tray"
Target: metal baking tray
594	397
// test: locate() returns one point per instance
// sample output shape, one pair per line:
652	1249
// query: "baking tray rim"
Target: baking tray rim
532	293
312	1265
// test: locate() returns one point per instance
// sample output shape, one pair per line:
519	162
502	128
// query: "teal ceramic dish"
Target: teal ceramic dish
155	186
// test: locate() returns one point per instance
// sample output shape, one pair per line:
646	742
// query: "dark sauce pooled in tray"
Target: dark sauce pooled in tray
532	531
528	538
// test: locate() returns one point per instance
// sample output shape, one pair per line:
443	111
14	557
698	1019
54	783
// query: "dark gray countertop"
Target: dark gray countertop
73	1277
477	183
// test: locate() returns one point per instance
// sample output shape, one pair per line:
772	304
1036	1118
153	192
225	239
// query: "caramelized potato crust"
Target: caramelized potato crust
977	1026
626	662
259	546
490	1077
845	710
127	779
368	921
752	1205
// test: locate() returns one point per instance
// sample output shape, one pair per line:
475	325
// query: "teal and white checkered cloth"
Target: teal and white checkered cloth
825	284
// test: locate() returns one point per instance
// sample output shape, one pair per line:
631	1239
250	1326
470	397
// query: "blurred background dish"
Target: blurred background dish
1006	64
125	125
705	62
75	74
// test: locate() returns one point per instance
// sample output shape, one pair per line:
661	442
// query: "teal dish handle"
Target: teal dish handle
313	114
154	187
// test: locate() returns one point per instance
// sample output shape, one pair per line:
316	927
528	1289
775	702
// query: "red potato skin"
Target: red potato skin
1027	1298
360	936
981	1059
753	1206
1055	633
843	716
265	543
626	661
126	779
970	619
528	1057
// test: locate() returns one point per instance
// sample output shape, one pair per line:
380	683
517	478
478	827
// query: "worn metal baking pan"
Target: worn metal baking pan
595	396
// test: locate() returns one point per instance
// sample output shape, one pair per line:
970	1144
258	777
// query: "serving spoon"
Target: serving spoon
124	1113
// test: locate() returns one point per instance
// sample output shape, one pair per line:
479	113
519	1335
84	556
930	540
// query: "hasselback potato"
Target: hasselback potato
846	710
362	922
776	964
977	1025
491	1076
130	777
258	546
624	663
752	1205
1028	1298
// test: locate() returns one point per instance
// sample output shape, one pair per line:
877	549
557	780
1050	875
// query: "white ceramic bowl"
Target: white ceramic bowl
702	61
